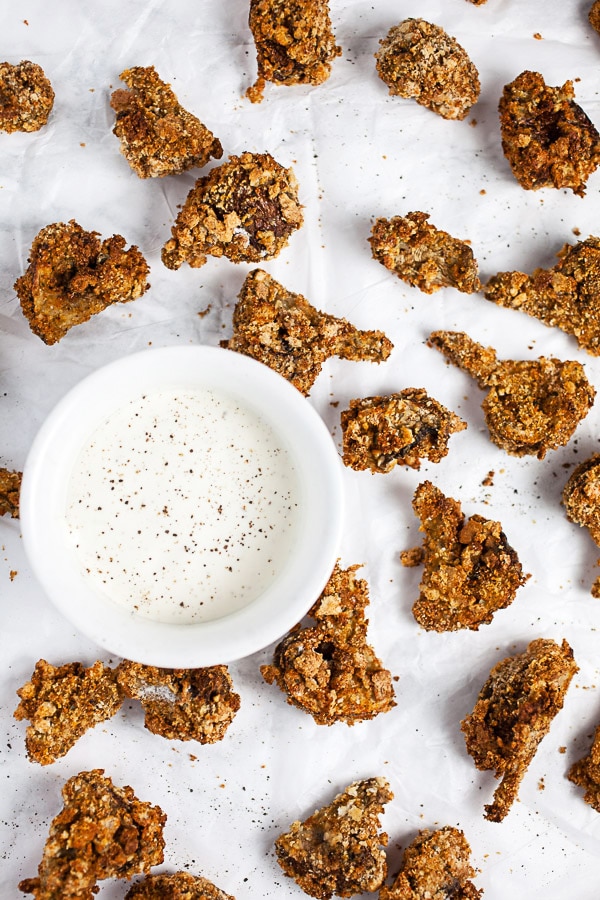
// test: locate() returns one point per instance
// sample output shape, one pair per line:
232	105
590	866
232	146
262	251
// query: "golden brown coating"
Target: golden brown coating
435	866
329	670
62	703
158	136
10	491
546	137
282	330
402	428
585	773
594	16
179	886
581	496
26	97
182	704
566	296
338	850
513	712
422	255
71	276
294	43
419	60
245	209
531	406
103	831
471	571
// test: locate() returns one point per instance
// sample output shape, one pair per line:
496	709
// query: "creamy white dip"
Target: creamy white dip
182	506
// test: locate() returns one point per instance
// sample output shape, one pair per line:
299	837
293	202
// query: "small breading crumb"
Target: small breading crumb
72	275
103	831
285	332
403	428
435	866
585	773
158	136
245	209
178	886
26	97
422	255
546	137
10	491
339	849
62	703
182	704
419	60
594	16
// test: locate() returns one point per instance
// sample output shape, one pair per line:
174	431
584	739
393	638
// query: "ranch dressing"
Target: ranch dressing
182	506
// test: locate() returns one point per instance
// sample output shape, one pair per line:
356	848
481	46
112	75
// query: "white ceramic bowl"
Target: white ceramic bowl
301	574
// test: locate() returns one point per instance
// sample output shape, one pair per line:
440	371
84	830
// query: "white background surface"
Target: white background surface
357	154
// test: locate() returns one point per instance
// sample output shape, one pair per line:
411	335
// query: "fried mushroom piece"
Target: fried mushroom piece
532	406
471	571
158	136
547	138
338	850
182	704
435	866
245	209
402	428
62	703
422	255
329	670
419	60
294	43
594	16
72	276
513	712
26	97
581	499
566	296
282	330
10	490
103	831
585	773
179	886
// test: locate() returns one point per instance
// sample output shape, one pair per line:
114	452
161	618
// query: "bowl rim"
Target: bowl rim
282	604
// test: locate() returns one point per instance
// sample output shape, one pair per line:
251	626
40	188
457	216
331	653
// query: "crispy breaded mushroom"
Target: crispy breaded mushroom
10	490
471	571
103	831
435	866
26	97
158	136
178	886
339	849
294	43
328	669
532	406
594	16
72	275
513	712
423	255
585	773
581	500
547	138
284	331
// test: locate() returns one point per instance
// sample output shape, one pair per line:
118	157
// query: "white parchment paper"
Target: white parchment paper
358	153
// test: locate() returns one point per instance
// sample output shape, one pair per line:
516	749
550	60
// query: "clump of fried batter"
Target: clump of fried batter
182	704
338	850
435	866
26	97
294	43
282	330
471	571
62	703
546	137
531	406
10	491
103	831
402	428
72	275
179	886
585	773
581	499
420	61
158	136
566	296
329	670
422	255
594	16
514	711
245	209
